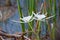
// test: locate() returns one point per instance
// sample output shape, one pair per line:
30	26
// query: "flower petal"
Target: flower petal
39	17
26	19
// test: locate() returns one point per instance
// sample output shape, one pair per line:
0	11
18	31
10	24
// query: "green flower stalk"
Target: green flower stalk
30	9
54	19
21	15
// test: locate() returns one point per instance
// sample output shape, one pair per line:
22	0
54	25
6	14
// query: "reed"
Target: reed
54	20
52	11
21	15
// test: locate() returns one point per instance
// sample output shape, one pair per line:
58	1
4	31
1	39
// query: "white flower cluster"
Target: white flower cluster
34	16
26	19
38	16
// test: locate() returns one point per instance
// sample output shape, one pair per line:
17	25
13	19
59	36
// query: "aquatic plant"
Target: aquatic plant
20	14
46	14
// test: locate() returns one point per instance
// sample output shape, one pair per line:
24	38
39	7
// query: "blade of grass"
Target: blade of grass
21	15
39	27
52	9
54	19
37	22
30	9
49	9
49	5
32	6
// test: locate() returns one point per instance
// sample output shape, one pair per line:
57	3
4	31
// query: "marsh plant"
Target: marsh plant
41	23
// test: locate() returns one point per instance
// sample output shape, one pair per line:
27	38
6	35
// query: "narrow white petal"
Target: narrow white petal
17	21
50	17
39	17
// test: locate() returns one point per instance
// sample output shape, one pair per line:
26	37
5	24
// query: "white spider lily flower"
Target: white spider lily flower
26	19
38	16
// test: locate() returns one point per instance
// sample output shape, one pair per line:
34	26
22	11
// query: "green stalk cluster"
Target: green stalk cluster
21	15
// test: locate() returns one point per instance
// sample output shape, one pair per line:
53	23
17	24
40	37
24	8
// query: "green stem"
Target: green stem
38	37
54	20
20	14
30	27
38	31
30	9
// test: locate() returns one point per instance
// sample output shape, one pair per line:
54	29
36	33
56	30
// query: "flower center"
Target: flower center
26	19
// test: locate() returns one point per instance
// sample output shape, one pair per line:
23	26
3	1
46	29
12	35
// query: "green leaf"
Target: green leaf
21	15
